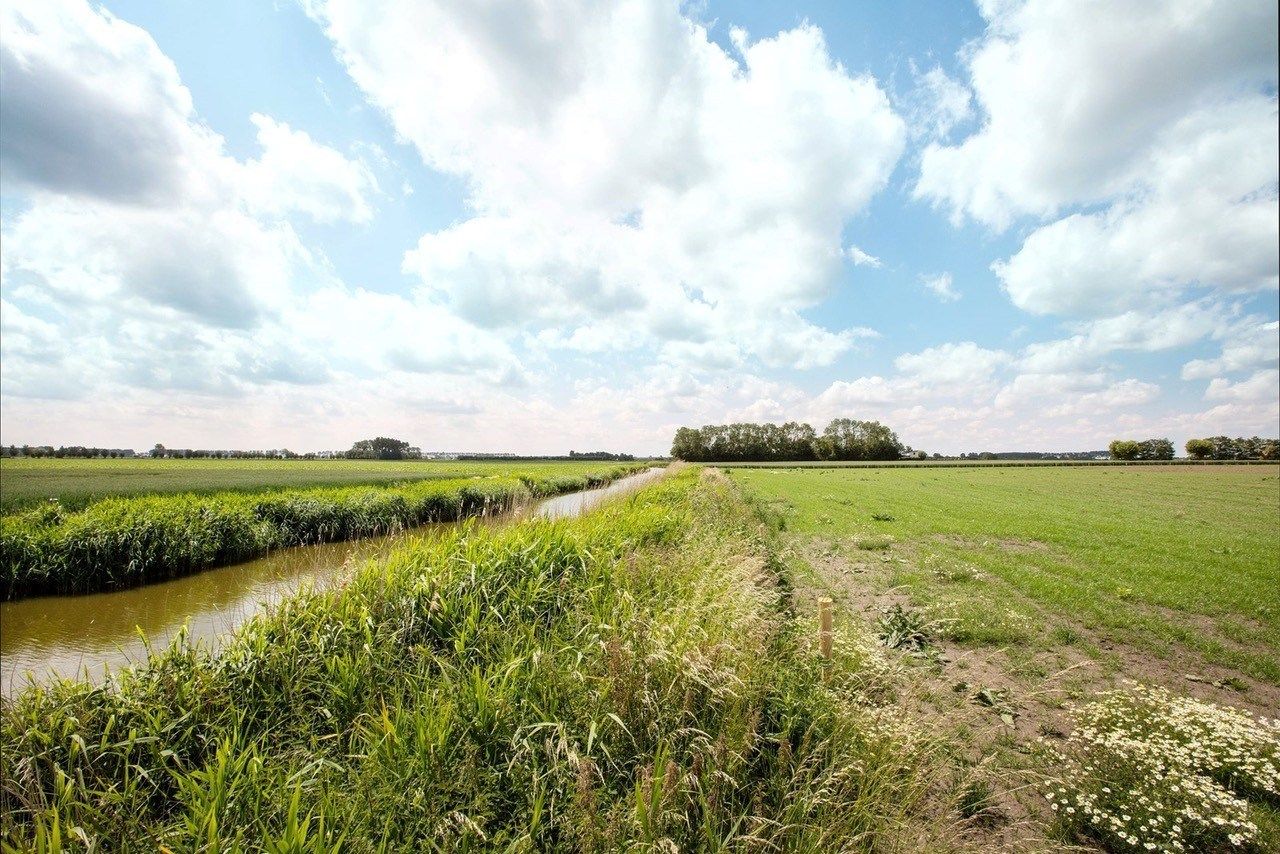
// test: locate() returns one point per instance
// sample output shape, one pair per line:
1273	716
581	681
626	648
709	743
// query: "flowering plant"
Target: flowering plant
1145	770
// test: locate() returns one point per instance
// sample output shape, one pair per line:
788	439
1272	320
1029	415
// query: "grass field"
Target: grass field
1017	597
77	482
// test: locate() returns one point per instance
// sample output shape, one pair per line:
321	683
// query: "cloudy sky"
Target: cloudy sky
536	226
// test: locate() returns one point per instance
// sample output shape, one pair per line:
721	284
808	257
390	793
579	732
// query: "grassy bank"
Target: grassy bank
634	679
122	541
76	483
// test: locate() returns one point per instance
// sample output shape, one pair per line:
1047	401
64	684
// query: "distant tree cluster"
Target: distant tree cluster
599	455
383	448
1226	448
1147	449
1028	455
842	439
65	451
160	452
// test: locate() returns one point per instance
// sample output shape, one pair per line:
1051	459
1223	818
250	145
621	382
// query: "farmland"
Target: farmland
649	677
1019	593
77	482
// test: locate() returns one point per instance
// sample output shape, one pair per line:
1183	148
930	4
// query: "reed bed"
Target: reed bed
118	542
631	680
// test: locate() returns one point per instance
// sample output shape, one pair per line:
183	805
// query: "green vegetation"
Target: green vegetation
632	680
1144	556
117	542
842	439
1147	449
25	482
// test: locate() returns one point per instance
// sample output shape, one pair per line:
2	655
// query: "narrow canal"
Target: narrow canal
88	634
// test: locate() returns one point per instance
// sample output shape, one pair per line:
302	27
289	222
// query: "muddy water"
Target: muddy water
90	633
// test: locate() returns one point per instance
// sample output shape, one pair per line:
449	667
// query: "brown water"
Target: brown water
89	634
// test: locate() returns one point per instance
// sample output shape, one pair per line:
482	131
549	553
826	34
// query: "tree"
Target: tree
1155	449
381	448
1122	449
1199	448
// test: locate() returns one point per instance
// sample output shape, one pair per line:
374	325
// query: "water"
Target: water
88	634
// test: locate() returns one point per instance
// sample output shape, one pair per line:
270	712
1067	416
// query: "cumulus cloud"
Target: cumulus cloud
141	240
1253	343
1261	386
1147	135
1072	102
622	165
295	173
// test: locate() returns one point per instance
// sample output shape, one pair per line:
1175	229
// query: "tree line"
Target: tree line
1226	448
842	439
1147	449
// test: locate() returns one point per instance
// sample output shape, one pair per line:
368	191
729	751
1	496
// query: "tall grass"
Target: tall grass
122	541
631	680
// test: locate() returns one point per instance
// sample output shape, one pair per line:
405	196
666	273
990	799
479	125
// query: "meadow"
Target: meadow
119	541
1024	604
632	680
75	483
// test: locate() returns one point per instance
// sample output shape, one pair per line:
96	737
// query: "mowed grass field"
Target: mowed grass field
1154	561
77	482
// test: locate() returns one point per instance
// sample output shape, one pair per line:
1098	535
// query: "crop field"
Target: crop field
1020	593
77	482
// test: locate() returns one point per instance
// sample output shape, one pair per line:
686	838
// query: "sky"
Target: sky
541	226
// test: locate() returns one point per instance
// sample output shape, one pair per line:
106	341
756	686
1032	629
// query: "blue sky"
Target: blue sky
535	227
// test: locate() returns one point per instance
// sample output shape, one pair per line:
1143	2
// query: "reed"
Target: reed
119	542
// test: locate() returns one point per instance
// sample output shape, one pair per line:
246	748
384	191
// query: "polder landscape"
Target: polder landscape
640	426
1028	657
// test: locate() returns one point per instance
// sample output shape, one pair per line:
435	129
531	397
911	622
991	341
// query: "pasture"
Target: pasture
1015	597
77	482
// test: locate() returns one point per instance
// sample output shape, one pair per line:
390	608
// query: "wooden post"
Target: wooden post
824	628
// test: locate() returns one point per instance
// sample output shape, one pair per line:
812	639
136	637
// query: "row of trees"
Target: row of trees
842	439
1147	449
1226	448
65	451
383	448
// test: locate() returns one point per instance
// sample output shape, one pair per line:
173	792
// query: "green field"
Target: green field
76	482
1018	596
649	677
1157	558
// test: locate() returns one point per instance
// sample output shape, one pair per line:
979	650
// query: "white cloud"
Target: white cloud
295	173
1074	97
623	167
1260	387
162	261
941	286
1251	344
863	259
937	103
1141	331
964	362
